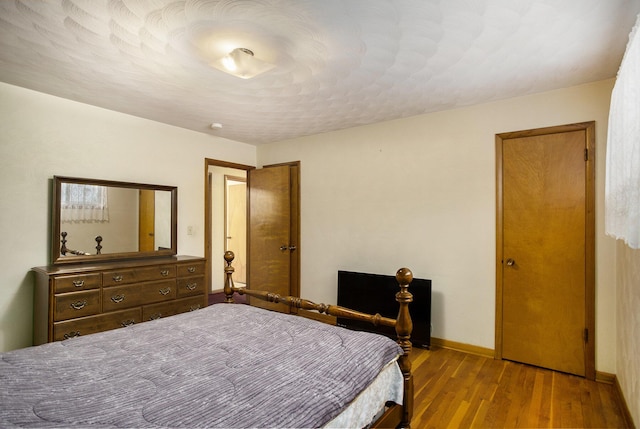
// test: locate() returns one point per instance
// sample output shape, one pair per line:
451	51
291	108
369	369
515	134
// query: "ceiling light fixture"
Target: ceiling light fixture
242	63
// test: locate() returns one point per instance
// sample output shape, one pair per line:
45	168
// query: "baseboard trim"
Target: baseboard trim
605	377
626	413
462	347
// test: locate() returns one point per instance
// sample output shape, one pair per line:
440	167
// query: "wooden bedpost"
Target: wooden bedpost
404	326
396	415
228	272
63	246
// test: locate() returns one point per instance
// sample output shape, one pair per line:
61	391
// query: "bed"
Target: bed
227	365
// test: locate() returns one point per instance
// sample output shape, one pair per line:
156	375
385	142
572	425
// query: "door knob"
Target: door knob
284	248
510	262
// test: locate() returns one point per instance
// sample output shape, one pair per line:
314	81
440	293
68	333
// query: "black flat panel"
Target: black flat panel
375	293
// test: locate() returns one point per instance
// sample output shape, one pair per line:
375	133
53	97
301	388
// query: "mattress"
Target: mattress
223	366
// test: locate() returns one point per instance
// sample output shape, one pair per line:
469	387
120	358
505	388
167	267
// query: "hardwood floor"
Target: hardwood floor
459	390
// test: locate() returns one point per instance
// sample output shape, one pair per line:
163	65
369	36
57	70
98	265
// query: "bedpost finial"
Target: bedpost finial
404	276
98	245
404	325
228	272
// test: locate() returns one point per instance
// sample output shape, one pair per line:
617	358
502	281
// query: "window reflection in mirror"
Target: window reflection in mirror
106	220
134	220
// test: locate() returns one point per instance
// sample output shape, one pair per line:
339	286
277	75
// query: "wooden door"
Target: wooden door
273	232
236	225
146	220
545	291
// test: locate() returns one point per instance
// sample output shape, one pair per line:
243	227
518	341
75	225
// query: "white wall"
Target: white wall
416	192
420	192
42	136
628	318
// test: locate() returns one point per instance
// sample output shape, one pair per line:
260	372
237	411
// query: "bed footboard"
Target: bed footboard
396	416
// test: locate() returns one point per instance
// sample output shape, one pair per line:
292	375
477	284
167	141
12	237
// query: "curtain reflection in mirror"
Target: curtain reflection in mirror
83	203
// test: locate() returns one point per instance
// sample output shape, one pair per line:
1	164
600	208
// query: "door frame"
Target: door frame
208	239
589	128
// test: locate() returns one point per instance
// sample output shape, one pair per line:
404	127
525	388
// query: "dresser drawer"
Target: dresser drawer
93	324
76	304
76	282
165	309
119	297
142	274
193	269
118	277
160	272
78	299
190	286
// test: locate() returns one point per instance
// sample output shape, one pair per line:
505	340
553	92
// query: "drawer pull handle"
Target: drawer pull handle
117	278
117	298
191	269
164	273
128	323
194	308
78	305
78	283
155	316
71	334
192	286
165	291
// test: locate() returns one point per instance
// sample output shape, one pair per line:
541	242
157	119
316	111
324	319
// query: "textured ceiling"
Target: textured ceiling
339	64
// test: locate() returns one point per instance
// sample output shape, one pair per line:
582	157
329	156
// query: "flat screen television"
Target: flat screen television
375	293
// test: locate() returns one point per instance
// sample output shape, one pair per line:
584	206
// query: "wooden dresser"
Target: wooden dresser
80	299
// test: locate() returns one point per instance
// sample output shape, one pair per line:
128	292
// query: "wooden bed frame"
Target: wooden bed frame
395	416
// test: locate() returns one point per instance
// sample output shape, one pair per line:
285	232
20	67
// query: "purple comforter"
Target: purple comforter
223	366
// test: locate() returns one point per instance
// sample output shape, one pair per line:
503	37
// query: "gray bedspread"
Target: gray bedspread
223	366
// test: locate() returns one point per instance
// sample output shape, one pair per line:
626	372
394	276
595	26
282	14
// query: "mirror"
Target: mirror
102	220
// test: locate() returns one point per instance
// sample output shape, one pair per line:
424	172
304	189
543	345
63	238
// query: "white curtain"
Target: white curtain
83	203
622	183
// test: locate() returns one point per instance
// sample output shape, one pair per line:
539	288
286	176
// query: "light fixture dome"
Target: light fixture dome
242	63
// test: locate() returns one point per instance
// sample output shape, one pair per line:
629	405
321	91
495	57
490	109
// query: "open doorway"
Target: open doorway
235	225
276	253
225	219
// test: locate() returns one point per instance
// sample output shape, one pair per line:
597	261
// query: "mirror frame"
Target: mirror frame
57	258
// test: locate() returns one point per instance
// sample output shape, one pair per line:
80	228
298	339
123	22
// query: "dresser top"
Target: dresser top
110	265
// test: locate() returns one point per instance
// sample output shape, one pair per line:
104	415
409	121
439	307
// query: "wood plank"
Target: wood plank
269	232
456	389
